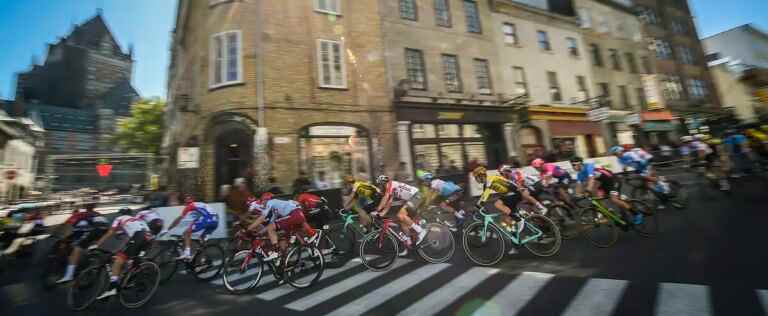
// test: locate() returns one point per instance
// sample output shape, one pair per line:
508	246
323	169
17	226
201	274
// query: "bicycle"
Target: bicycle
558	210
602	223
344	235
139	281
206	263
438	245
57	259
676	195
291	266
539	234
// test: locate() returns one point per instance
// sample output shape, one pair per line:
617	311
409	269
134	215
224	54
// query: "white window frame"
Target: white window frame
217	2
320	64
326	11
510	38
225	60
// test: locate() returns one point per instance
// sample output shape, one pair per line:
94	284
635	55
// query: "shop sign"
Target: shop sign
633	119
188	158
332	131
282	140
652	92
450	115
599	114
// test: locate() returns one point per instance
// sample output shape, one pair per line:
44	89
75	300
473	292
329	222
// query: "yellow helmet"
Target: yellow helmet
479	171
349	179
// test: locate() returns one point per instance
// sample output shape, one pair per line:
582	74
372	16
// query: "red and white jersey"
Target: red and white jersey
129	225
148	215
401	191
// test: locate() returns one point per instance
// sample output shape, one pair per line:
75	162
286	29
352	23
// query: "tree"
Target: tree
143	130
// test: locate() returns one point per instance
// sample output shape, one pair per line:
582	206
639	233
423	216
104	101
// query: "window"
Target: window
597	58
408	10
328	6
647	15
521	86
414	65
554	87
483	75
686	55
603	25
646	64
544	41
615	59
641	98
442	148
451	73
631	64
663	49
712	57
624	95
225	59
331	64
605	92
697	88
473	16
585	19
510	33
581	83
679	26
442	13
573	46
215	2
671	87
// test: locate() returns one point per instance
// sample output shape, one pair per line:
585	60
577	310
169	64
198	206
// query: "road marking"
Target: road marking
381	295
762	295
438	299
598	297
249	272
338	288
285	289
675	299
511	299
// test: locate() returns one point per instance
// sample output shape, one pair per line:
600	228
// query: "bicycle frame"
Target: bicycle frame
488	219
607	212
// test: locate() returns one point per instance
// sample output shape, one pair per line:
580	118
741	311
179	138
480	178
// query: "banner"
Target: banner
652	92
169	214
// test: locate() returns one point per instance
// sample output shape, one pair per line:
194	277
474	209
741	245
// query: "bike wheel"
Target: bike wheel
303	266
436	214
166	261
242	272
86	287
572	229
343	242
546	244
484	246
650	225
208	262
438	245
140	285
679	195
378	253
602	232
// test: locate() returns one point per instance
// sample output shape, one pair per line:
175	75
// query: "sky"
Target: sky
27	26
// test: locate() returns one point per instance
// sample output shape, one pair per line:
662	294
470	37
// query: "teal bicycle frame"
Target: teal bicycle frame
489	219
350	222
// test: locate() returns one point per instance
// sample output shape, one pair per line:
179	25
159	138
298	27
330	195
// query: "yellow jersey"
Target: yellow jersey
497	184
365	189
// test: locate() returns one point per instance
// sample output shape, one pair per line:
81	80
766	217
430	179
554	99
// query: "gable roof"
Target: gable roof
91	33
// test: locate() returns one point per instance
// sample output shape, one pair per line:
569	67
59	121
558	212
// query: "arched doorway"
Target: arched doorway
330	151
232	137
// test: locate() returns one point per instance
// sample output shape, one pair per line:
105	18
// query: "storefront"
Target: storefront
569	131
328	151
658	127
448	140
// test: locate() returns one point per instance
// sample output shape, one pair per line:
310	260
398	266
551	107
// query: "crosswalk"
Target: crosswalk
412	287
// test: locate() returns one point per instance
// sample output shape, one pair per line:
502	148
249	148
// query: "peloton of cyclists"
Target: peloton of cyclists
552	174
597	181
87	227
201	217
286	215
447	193
410	195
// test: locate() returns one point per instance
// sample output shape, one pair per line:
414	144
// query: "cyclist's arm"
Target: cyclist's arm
351	201
257	222
484	197
528	197
591	184
383	208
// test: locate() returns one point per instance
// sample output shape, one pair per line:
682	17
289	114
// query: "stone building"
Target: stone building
271	88
78	91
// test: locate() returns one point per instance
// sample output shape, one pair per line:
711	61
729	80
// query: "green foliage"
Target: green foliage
143	130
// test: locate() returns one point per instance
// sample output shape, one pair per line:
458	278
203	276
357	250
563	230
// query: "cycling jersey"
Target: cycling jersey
600	174
81	221
444	188
365	190
309	201
199	210
734	143
148	215
553	170
129	225
275	209
499	185
401	191
636	158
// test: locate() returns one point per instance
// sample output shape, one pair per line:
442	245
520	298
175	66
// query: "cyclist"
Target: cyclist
511	195
594	180
201	218
153	220
550	173
285	215
447	193
364	199
87	226
402	192
137	232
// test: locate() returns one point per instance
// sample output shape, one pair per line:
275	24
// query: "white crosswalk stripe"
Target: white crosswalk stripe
511	299
675	299
445	295
598	297
280	291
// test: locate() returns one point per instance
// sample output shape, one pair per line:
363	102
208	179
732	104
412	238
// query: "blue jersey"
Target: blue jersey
444	188
734	143
637	159
589	170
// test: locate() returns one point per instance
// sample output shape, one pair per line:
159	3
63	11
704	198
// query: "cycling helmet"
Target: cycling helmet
382	179
577	159
349	179
479	172
189	199
155	226
616	150
266	196
537	163
505	169
427	177
125	211
686	139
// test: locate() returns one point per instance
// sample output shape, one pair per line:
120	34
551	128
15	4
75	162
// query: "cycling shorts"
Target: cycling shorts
84	238
205	224
293	221
511	201
563	181
608	185
140	241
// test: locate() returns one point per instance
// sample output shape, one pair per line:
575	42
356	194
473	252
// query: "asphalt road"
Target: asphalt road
708	260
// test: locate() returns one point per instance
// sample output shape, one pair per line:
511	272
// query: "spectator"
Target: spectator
453	168
402	174
302	183
320	182
237	198
274	188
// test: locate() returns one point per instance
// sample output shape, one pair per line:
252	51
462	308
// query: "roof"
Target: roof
91	32
749	27
120	97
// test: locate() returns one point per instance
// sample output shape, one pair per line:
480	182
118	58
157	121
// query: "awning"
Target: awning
574	128
658	116
658	126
